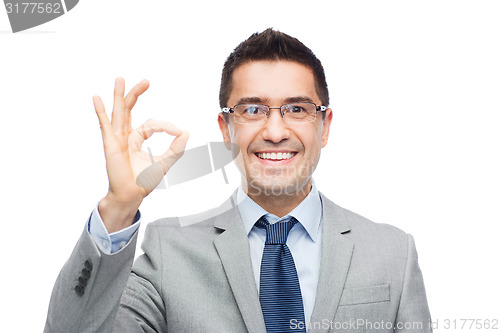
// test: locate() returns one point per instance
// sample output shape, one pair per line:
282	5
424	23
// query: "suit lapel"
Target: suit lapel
336	255
232	246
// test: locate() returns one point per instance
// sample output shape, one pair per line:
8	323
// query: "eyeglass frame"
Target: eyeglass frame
319	108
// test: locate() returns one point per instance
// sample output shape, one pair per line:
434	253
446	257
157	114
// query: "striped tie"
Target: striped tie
280	296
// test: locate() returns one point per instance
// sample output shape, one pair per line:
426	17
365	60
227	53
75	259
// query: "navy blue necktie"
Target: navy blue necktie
280	296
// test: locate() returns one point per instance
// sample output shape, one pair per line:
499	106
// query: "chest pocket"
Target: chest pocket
365	295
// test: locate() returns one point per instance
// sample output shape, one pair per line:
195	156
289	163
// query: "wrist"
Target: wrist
116	214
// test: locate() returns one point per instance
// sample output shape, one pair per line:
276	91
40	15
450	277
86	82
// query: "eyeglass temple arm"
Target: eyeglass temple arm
227	110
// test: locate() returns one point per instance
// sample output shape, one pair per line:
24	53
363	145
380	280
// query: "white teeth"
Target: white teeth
275	156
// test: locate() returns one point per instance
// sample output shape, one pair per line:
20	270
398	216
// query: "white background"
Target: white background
414	142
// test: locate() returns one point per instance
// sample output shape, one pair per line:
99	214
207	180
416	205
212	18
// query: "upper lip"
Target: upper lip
275	151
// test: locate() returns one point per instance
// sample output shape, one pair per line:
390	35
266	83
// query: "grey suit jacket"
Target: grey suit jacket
199	278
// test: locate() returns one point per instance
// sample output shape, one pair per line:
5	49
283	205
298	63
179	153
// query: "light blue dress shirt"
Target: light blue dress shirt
304	239
115	241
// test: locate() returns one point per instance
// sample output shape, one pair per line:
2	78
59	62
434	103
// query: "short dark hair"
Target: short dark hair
272	45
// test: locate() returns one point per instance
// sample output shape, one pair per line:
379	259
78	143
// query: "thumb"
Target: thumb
151	176
175	151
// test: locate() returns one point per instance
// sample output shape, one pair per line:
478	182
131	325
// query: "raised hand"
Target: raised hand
125	160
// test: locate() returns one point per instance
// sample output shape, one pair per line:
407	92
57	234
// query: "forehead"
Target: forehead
272	82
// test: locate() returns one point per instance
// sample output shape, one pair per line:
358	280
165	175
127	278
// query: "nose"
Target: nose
275	129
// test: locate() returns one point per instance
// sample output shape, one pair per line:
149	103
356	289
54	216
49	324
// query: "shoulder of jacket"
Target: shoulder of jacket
359	224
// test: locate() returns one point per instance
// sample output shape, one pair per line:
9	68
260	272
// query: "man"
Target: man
284	259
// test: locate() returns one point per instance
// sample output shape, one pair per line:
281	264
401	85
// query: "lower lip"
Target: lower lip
276	162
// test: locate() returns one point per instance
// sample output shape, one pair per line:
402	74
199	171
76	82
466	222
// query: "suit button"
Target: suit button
79	290
82	281
85	273
88	265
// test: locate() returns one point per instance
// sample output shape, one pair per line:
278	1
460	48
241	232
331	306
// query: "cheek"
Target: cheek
243	136
311	139
319	137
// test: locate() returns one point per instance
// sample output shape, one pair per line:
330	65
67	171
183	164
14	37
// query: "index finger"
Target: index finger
144	132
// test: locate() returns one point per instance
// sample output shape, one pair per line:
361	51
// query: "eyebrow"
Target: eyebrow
298	99
261	100
252	100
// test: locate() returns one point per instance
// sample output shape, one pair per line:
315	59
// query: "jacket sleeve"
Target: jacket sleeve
87	292
142	307
413	312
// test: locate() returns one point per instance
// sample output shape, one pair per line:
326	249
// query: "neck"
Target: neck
280	205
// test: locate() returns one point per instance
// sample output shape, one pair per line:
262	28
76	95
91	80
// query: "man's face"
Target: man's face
275	83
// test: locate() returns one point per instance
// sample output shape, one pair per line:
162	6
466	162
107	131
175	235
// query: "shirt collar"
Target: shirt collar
309	212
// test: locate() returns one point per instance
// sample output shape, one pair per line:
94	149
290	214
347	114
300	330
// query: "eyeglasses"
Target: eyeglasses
303	112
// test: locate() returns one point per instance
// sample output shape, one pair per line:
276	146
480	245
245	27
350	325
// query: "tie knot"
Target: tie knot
276	233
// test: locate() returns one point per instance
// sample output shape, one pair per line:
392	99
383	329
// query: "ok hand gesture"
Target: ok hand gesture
125	160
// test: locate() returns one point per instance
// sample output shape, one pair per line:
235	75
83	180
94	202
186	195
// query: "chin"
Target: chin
273	186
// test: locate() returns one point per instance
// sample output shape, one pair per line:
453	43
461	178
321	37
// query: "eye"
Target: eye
295	109
252	110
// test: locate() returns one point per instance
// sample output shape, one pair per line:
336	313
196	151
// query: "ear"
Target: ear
224	129
326	127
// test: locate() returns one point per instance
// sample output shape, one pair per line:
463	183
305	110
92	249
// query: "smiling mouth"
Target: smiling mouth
276	156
